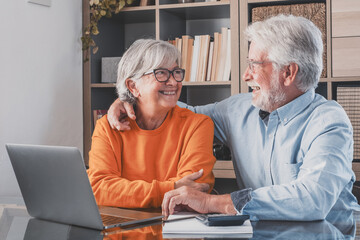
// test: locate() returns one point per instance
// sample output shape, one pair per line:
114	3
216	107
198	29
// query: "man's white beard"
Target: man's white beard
274	96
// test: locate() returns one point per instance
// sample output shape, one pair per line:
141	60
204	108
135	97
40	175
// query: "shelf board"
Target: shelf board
112	85
175	5
102	85
340	79
282	1
194	4
208	83
138	8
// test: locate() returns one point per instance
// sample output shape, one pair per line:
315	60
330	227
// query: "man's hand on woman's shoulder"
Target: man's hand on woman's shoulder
117	114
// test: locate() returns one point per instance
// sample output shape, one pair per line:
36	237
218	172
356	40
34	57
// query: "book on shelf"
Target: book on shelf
184	51
203	58
178	45
97	114
227	64
195	58
186	55
209	66
222	55
217	44
188	63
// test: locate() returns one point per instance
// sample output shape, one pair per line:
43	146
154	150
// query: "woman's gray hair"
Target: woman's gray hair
290	39
142	56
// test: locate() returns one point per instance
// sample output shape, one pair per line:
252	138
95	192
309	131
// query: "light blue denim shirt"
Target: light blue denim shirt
298	161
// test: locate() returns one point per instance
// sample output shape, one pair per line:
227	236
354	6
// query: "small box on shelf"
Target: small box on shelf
109	66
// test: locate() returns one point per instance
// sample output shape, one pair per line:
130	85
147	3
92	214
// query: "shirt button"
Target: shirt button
285	119
270	136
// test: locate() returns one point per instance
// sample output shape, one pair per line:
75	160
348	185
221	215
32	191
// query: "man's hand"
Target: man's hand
189	181
190	199
186	198
117	113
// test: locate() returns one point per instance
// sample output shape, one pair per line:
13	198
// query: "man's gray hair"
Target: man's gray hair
142	56
290	39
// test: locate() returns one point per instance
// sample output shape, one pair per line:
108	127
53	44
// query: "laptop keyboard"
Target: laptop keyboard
112	220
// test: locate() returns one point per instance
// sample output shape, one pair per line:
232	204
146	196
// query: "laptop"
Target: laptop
55	187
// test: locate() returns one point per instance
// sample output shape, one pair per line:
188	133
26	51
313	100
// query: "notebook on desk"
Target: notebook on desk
193	228
55	187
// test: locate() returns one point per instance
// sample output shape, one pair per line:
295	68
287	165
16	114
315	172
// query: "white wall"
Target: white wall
40	79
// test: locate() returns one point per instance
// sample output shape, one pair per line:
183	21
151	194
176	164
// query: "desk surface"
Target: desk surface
15	223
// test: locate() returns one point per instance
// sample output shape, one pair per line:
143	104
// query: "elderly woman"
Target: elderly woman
167	146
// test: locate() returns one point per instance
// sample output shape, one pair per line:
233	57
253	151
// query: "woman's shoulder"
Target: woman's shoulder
102	124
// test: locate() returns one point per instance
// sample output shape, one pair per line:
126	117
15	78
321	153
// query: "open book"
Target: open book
193	228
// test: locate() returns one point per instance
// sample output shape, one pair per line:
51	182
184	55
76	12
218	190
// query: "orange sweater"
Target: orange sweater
136	168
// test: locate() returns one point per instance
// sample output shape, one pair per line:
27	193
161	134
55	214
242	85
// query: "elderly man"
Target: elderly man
292	149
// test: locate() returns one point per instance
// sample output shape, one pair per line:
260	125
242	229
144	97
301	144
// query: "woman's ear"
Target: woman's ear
290	73
131	85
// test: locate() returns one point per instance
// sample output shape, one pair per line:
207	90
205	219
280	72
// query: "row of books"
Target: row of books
205	58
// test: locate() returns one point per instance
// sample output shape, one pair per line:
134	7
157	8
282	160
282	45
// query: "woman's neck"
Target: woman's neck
149	119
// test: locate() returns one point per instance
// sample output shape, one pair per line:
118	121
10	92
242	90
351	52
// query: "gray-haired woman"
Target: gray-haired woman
167	146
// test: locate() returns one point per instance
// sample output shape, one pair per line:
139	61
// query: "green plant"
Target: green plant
99	9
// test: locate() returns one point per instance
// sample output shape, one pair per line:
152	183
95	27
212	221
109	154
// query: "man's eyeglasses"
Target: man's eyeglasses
251	64
163	74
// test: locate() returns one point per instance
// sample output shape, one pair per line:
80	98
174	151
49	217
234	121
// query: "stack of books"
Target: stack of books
205	58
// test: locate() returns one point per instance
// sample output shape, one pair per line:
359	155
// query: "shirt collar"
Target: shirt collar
295	107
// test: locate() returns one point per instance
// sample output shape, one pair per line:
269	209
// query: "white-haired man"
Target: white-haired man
292	149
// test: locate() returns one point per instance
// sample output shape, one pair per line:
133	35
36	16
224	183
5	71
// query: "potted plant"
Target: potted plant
99	9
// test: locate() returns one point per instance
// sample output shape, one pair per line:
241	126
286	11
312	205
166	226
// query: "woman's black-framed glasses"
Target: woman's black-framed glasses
163	74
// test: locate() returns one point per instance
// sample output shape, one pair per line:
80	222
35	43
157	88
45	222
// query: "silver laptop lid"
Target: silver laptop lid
54	184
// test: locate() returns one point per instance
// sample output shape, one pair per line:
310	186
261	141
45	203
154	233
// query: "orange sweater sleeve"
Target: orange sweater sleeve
106	172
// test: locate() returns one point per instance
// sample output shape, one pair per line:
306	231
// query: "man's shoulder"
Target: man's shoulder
328	110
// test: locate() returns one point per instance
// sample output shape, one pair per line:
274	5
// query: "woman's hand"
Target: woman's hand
117	114
189	181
